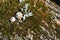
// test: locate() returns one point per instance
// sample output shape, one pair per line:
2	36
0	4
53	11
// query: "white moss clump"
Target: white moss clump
12	19
24	17
30	14
27	15
19	15
26	7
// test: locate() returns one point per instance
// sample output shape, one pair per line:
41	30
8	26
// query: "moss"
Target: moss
9	8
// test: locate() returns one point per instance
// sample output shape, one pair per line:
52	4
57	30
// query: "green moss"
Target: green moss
8	9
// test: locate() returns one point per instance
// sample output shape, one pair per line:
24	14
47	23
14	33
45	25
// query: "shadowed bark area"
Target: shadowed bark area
56	1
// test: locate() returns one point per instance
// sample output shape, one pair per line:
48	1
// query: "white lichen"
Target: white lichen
19	15
24	17
27	15
30	14
26	7
12	19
